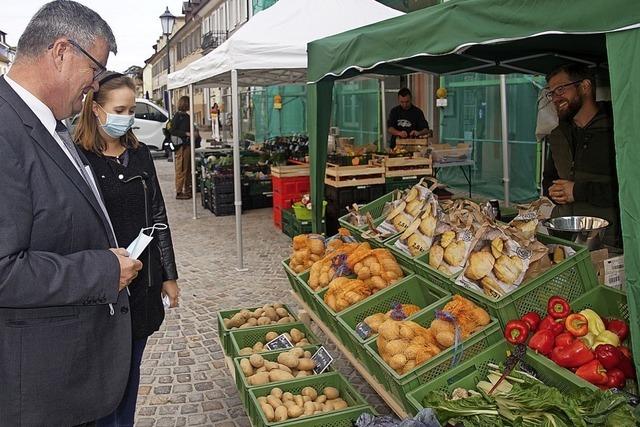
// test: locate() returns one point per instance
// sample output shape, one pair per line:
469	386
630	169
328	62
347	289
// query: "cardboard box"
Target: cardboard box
598	258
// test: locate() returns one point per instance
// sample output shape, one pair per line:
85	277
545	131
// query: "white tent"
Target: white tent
272	49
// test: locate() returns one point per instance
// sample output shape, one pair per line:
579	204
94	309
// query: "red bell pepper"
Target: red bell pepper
554	325
577	324
558	307
516	331
625	350
608	355
618	327
533	320
542	341
574	355
564	339
593	372
626	366
616	378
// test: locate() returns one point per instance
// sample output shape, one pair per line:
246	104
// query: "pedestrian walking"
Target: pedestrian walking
180	128
65	327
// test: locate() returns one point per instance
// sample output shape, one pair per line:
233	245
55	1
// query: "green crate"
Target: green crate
318	382
467	375
423	269
400	182
605	301
293	277
403	258
247	337
259	187
411	290
570	279
295	227
439	365
288	216
272	356
306	292
344	418
374	208
223	332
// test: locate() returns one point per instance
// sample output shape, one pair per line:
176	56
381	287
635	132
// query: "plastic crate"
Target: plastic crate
277	216
304	214
290	188
344	418
605	301
259	201
411	290
468	374
439	365
256	187
287	216
272	356
570	279
318	382
224	333
294	278
400	182
247	337
374	208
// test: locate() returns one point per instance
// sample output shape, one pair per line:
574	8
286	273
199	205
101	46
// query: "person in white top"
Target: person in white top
65	333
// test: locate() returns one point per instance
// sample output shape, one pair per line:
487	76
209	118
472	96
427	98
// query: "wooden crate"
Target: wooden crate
289	171
405	166
412	144
352	176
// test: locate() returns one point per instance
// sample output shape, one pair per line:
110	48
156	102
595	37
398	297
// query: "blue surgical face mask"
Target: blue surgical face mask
116	124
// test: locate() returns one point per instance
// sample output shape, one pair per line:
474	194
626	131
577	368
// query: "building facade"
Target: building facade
7	54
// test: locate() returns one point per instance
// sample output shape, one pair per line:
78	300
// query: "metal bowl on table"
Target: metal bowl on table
583	230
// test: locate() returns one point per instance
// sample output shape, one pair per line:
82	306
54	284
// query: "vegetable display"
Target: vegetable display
290	364
281	406
307	249
295	336
267	315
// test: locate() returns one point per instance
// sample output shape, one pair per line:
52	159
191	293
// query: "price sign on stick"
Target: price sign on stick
323	359
281	341
363	330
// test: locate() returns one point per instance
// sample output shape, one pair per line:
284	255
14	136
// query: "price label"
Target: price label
279	342
323	359
363	330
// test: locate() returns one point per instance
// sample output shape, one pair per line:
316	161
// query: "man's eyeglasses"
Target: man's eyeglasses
101	68
559	91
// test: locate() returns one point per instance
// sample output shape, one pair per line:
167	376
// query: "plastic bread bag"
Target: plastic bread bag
530	215
450	251
497	264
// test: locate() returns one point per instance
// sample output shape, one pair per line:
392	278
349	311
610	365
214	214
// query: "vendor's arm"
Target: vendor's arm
30	278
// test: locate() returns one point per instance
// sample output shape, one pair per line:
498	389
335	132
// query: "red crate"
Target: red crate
277	216
283	202
291	188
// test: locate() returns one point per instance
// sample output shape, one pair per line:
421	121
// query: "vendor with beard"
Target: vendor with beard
580	170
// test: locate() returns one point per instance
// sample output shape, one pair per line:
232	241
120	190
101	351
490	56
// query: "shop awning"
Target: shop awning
499	36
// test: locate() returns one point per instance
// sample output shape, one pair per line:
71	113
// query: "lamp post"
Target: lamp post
167	20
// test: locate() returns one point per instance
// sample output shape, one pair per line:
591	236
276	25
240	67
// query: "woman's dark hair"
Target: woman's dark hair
183	103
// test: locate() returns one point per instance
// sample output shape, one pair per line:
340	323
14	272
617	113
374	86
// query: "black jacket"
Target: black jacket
134	201
180	124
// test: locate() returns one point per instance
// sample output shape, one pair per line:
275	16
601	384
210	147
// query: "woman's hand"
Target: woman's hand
170	288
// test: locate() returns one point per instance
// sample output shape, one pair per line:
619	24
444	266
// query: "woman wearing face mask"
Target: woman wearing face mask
127	178
180	126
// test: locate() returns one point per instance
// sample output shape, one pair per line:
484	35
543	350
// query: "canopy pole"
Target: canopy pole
383	103
237	187
505	137
192	148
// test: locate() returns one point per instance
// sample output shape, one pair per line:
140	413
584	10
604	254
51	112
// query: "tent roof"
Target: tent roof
272	47
487	36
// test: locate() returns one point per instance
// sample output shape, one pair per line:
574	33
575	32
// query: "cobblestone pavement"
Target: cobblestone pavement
184	379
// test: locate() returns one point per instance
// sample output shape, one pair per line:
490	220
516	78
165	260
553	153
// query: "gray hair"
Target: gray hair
63	18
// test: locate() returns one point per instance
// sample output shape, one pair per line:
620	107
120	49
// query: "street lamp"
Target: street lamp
167	20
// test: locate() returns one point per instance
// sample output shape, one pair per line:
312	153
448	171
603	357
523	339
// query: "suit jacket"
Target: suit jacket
64	358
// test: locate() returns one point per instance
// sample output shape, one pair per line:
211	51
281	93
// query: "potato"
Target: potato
306	399
262	321
302	342
278	305
310	392
306	364
238	320
227	323
294	411
276	392
328	406
397	361
285	320
288	360
287	396
298	399
339	404
331	392
309	408
245	313
321	399
259	378
278	375
257	313
271	336
269	365
288	335
297	335
284	368
261	369
289	403
307	354
245	351
297	352
246	367
318	406
269	413
301	374
262	399
282	312
245	325
271	314
281	413
252	321
258	347
256	361
274	401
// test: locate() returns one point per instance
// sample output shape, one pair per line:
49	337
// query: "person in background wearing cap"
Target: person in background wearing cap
65	327
127	177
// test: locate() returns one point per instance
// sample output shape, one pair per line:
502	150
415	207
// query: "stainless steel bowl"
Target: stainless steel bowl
584	230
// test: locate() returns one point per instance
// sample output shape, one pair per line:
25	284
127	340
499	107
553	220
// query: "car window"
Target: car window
155	114
142	111
149	112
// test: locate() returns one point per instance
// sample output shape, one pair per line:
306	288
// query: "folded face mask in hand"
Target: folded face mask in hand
136	247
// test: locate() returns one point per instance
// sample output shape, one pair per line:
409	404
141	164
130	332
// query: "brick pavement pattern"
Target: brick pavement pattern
184	380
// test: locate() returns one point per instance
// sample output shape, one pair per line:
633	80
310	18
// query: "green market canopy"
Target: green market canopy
499	37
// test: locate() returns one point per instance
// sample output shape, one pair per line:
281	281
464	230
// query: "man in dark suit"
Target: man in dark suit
65	331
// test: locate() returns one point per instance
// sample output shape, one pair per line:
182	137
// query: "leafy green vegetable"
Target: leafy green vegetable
474	411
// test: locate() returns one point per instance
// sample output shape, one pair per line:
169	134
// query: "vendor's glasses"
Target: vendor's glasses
101	68
559	91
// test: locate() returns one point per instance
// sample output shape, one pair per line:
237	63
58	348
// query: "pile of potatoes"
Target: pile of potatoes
295	336
267	315
279	406
291	364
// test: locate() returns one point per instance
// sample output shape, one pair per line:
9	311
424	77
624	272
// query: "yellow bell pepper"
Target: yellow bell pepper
589	339
596	325
607	337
